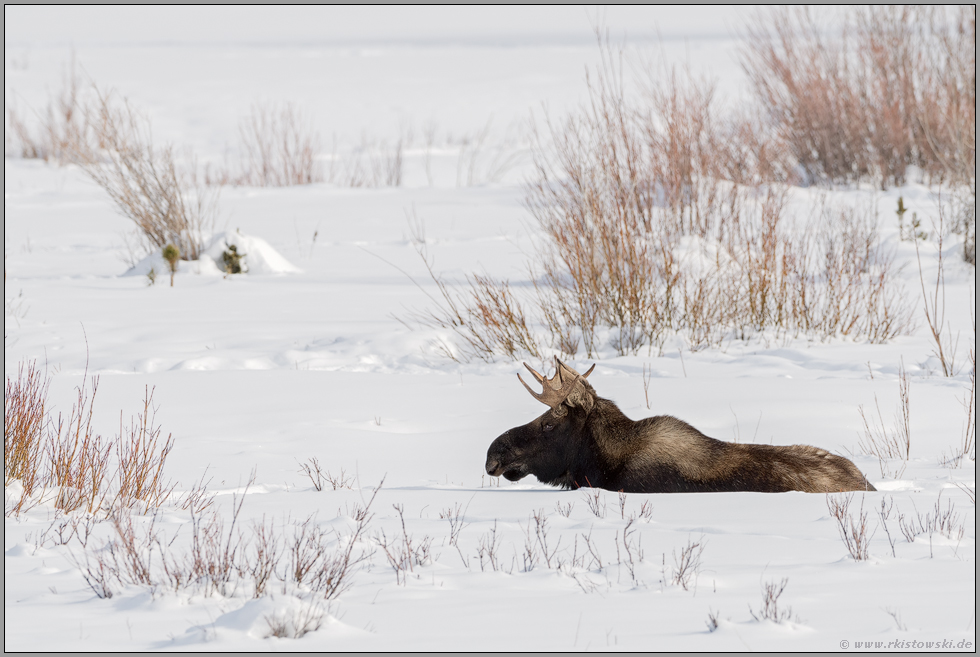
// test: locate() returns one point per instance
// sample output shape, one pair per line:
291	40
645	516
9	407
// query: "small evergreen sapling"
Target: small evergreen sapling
232	259
171	254
913	233
901	217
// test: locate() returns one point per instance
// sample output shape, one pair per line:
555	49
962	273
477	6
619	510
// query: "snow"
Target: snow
257	257
304	357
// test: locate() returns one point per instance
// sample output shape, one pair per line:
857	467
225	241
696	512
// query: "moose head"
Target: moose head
550	446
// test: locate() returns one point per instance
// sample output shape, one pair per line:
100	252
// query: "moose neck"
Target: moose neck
596	448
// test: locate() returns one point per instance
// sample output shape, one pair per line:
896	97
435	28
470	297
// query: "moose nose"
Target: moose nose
493	467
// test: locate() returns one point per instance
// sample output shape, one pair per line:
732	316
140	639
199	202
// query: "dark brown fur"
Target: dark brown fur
586	441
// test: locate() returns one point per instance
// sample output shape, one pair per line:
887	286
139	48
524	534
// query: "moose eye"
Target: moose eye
548	426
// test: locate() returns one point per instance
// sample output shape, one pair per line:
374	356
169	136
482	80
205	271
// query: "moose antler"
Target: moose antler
557	388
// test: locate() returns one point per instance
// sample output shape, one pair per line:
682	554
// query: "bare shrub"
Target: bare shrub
79	458
617	185
632	546
770	604
853	530
314	564
762	267
198	498
221	558
87	471
538	541
750	151
340	480
889	444
884	515
403	552
334	573
457	520
386	165
161	191
757	274
622	504
97	570
470	149
141	457
597	505
123	560
684	146
479	159
897	617
934	306
80	463
885	43
488	550
279	147
167	200
296	623
214	559
757	277
946	120
314	472
370	164
647	376
306	549
488	318
966	223
24	420
135	552
595	562
712	621
870	102
967	449
799	78
687	564
913	526
320	478
593	196
944	521
63	529
530	554
267	552
616	188
500	317
63	132
853	290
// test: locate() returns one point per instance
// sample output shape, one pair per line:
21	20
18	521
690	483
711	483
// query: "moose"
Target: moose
584	440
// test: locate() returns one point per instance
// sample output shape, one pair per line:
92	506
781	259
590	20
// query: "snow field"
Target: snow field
304	358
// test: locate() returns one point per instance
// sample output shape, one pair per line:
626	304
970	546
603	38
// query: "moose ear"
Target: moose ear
583	396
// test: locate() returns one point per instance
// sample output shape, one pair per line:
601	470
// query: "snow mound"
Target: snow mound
257	257
155	262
